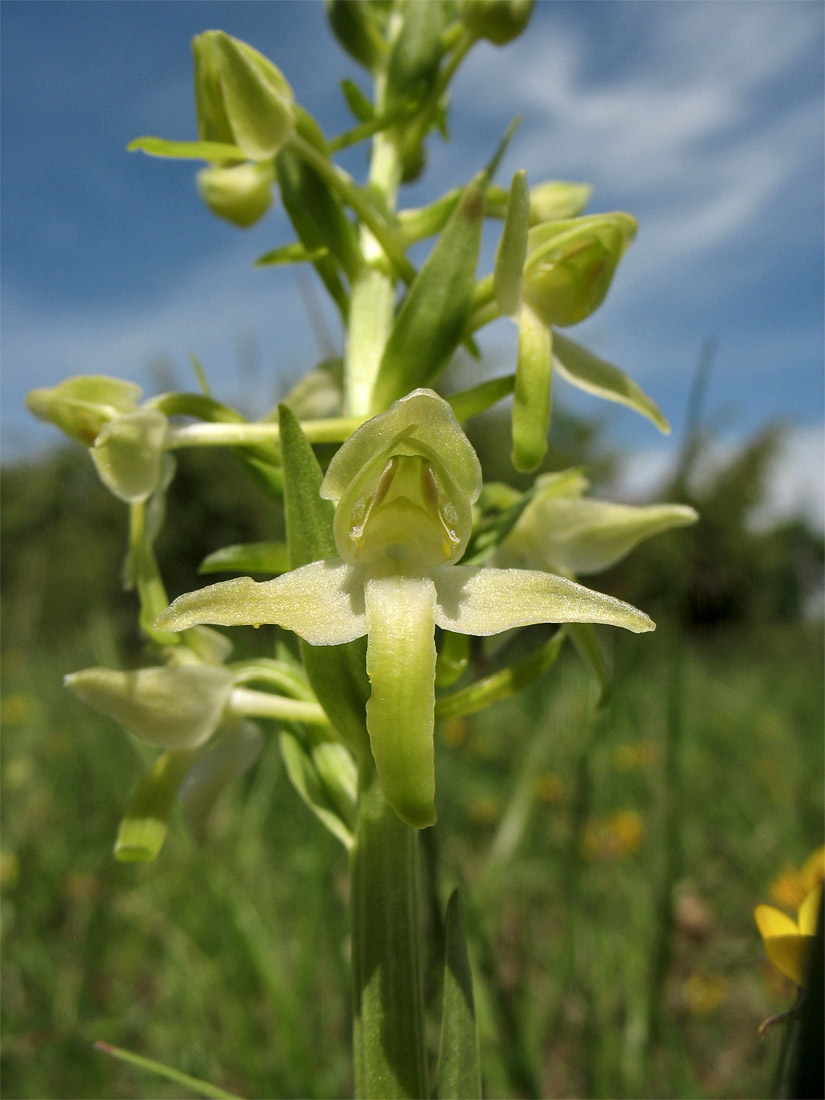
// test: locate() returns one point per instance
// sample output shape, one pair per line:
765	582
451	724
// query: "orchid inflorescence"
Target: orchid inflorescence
397	550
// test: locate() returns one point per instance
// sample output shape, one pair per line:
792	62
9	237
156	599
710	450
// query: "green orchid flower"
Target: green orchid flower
565	532
404	484
196	709
126	441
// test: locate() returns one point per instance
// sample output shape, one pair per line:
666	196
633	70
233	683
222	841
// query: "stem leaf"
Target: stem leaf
186	150
459	1072
430	324
337	673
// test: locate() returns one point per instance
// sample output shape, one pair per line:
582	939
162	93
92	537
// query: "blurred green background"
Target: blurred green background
610	860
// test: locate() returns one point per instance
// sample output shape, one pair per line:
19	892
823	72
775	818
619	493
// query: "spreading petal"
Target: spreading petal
787	943
401	614
809	911
322	602
482	601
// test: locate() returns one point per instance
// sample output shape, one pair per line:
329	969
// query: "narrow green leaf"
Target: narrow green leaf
200	375
143	828
458	1076
594	375
330	805
501	684
430	324
512	248
202	1088
320	222
471	402
357	102
494	528
186	150
248	557
316	212
295	253
337	673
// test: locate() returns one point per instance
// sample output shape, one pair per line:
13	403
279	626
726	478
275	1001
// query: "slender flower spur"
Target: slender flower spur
404	484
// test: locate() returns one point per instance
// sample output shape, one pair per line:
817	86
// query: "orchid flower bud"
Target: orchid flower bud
567	533
80	406
239	193
499	21
241	97
555	199
570	265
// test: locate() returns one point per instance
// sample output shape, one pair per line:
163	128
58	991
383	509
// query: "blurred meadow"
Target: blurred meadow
610	858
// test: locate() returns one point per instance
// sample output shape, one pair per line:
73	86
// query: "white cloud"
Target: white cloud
690	132
220	310
795	487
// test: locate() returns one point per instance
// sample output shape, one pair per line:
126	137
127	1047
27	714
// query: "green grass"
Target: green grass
230	962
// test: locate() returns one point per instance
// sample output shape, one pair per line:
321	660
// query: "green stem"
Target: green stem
372	302
386	964
333	430
263	704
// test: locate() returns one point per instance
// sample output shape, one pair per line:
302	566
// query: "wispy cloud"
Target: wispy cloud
223	310
702	119
794	488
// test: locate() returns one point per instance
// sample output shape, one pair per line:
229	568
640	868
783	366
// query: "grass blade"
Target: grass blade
202	1088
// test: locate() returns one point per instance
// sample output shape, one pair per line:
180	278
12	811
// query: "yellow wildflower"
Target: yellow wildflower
787	942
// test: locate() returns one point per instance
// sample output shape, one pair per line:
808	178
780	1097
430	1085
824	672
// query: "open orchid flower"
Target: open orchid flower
404	484
563	531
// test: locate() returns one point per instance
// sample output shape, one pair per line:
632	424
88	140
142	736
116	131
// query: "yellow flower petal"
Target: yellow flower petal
809	911
773	922
789	954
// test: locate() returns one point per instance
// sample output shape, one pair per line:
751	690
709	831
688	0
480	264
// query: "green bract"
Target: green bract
404	482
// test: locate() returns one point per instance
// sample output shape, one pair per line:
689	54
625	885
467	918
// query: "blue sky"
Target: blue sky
704	120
